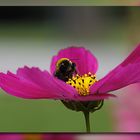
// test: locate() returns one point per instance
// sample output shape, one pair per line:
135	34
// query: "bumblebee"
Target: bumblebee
65	69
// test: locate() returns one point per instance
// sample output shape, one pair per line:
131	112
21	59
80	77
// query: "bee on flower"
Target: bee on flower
72	79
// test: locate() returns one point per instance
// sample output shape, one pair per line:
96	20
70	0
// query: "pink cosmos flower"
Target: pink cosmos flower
73	80
32	83
126	112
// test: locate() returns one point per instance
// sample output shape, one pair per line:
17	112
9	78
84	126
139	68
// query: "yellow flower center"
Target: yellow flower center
82	83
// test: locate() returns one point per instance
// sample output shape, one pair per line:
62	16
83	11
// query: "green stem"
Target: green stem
86	114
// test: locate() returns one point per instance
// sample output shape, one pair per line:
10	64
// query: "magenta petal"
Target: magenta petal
128	72
85	61
34	83
92	97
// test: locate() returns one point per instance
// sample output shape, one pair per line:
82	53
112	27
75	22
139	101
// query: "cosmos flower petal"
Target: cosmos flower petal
92	97
17	87
45	80
34	83
85	61
128	72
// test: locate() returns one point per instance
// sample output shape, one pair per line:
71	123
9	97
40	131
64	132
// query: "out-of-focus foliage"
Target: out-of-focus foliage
71	2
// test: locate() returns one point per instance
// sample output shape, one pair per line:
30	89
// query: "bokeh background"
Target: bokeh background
71	2
32	35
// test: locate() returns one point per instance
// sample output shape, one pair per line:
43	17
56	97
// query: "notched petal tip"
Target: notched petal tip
34	83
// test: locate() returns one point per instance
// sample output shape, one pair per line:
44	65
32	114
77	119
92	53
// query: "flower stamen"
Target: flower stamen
82	83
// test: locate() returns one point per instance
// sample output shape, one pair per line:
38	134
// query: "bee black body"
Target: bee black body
65	70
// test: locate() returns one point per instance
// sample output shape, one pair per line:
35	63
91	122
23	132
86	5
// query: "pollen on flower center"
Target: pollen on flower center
82	83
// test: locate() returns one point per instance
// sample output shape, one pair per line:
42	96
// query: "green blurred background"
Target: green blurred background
93	2
32	35
71	2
